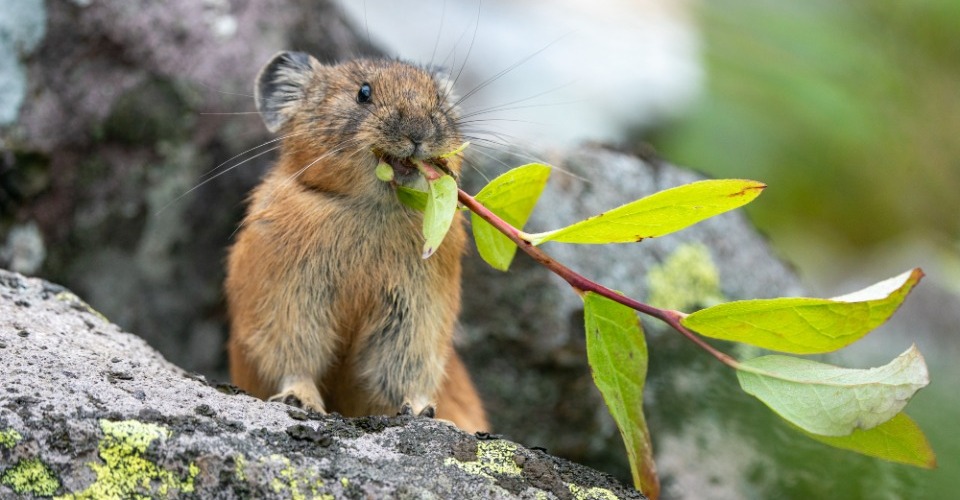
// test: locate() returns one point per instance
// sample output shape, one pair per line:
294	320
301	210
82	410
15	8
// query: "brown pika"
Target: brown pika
331	305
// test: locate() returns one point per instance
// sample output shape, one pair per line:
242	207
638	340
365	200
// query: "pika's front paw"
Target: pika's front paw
299	401
428	411
302	394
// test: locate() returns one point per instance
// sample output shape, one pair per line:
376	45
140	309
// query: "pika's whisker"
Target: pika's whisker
436	43
238	155
473	40
211	87
210	179
507	70
509	106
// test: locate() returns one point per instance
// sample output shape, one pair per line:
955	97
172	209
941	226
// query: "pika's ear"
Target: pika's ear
281	86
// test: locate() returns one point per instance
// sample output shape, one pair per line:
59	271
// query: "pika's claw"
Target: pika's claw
406	410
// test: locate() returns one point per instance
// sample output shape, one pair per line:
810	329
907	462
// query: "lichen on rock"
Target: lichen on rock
126	471
30	477
9	438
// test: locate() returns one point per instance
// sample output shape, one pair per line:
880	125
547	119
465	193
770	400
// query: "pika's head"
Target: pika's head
380	108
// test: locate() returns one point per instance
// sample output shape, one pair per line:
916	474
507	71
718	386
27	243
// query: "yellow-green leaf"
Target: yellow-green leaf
829	400
898	440
617	353
413	198
384	171
805	325
658	214
512	197
439	212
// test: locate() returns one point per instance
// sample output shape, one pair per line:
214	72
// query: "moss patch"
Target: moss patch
493	457
688	279
126	472
9	438
31	477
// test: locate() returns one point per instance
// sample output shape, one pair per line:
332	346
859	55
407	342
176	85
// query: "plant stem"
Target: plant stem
582	284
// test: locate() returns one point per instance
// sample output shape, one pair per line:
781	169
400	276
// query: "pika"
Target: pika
331	306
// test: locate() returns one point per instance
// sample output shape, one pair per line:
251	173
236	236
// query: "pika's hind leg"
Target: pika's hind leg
300	391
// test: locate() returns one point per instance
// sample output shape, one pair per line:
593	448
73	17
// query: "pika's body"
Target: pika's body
331	305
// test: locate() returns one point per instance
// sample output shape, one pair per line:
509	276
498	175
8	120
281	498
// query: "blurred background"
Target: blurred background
111	110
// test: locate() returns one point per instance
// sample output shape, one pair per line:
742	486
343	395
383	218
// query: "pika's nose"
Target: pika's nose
417	129
417	148
412	132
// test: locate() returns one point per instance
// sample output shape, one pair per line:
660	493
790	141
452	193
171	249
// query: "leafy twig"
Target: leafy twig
583	284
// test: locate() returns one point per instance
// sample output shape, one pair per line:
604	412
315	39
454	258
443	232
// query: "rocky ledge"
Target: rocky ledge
90	411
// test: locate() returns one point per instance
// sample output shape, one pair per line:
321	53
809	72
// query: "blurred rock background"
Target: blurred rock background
110	111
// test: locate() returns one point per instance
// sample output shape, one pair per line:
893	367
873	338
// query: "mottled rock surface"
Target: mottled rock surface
88	409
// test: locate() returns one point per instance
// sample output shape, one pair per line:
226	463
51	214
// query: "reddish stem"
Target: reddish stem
582	284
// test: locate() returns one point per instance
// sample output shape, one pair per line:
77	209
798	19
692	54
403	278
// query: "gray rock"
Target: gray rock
88	409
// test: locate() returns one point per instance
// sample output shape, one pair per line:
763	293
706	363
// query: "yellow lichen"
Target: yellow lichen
493	457
125	471
293	481
9	438
240	462
688	278
594	493
31	477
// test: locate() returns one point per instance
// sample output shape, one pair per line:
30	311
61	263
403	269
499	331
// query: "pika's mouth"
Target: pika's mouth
404	169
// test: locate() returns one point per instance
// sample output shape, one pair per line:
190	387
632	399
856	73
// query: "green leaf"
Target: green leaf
384	171
658	214
805	325
829	400
413	198
898	440
617	353
511	196
439	212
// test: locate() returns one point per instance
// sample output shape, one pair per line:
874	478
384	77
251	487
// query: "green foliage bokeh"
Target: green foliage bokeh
855	106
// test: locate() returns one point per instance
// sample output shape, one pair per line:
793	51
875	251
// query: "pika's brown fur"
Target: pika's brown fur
331	305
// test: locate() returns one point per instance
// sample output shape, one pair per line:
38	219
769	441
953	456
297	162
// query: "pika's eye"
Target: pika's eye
363	95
